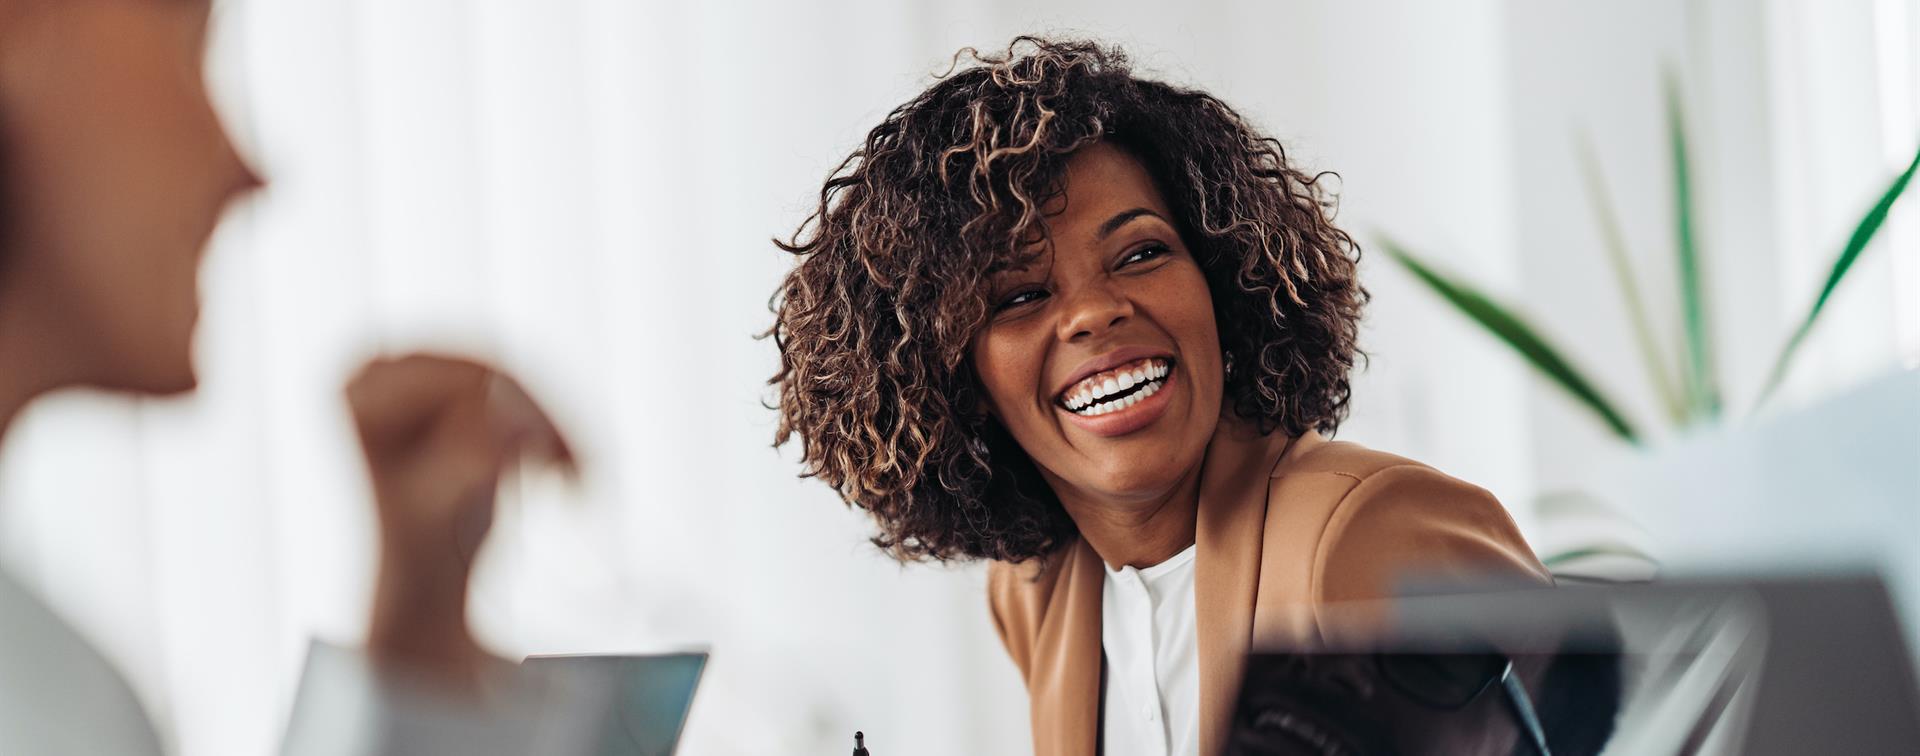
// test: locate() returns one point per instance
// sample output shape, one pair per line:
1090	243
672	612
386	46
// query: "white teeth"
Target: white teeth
1086	400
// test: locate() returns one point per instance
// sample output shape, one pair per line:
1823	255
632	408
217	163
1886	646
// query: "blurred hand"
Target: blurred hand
438	432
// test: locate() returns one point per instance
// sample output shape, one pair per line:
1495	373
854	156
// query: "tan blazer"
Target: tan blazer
1287	526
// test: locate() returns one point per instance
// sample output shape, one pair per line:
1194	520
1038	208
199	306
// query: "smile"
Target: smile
1117	389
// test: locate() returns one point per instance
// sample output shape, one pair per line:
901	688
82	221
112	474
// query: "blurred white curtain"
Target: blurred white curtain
584	190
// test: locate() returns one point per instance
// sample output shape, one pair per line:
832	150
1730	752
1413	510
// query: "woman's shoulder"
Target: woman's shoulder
1370	520
1030	582
1020	595
1348	480
1315	454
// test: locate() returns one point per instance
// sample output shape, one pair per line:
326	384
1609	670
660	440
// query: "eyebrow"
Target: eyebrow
1120	219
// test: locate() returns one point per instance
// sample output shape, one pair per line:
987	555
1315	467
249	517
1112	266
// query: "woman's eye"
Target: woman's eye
1019	298
1143	254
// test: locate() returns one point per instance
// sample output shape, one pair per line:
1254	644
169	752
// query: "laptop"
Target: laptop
651	695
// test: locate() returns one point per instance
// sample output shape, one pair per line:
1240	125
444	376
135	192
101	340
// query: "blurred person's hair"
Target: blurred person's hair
894	268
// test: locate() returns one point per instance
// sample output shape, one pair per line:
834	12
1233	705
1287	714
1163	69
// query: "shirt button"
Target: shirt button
1149	711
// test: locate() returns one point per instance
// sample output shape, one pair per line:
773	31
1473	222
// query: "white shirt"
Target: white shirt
1153	663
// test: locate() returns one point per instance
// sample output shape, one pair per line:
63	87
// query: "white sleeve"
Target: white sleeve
345	706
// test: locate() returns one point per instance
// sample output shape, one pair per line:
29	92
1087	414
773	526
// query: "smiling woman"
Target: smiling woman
1091	327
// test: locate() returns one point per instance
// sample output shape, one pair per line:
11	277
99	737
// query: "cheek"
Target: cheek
126	222
1184	306
1007	368
131	159
1193	302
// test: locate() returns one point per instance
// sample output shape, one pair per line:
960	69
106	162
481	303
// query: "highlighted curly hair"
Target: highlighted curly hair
893	270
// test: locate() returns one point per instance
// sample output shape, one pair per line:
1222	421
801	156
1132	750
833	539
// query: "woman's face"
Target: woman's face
115	170
1102	357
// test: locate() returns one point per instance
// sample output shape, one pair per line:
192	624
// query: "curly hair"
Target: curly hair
893	268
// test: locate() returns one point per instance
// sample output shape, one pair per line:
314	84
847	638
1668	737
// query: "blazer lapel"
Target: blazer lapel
1230	529
1070	643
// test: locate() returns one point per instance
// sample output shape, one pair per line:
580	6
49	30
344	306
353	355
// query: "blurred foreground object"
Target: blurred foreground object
1786	665
349	706
650	695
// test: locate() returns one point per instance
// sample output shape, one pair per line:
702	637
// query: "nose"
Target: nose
1092	311
250	179
243	178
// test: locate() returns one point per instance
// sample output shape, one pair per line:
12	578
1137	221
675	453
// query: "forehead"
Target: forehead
1100	181
1099	185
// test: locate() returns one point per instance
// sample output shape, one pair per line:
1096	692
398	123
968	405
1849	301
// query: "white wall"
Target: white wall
584	189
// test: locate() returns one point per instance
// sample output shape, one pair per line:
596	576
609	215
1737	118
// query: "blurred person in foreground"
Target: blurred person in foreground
115	170
1093	327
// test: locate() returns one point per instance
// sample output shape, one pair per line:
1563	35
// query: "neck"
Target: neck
1137	532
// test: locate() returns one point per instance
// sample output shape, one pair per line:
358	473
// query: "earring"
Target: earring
1229	363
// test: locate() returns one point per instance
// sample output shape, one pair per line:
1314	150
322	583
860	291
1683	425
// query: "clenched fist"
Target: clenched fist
438	432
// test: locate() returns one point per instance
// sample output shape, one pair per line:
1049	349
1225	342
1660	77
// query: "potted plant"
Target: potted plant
1687	385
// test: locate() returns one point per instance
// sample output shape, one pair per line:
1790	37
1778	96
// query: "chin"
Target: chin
169	371
1128	477
158	375
157	383
183	383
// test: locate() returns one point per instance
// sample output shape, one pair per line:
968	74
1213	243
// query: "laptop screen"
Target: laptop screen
651	697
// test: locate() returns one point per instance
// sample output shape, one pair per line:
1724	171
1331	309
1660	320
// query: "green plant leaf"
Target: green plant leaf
1703	392
1616	549
1523	338
1615	243
1863	233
